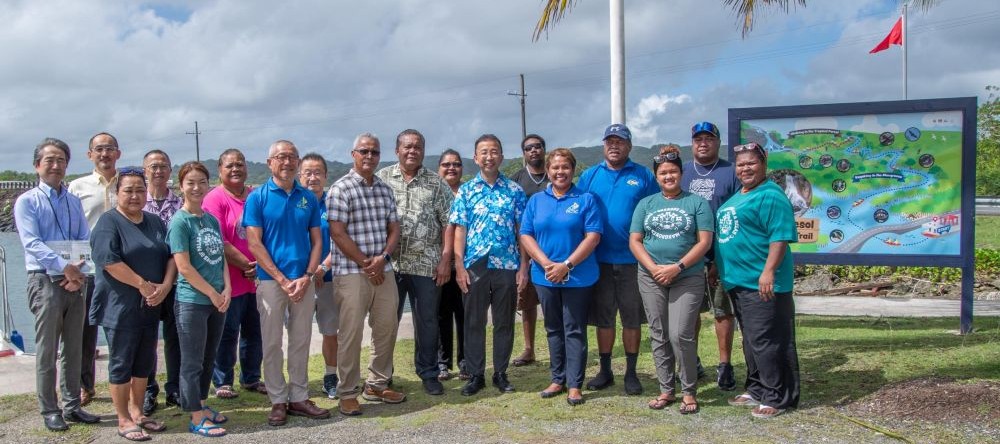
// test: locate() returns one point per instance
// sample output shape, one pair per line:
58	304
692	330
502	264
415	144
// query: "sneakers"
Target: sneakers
475	384
726	379
601	381
385	395
330	385
501	383
433	387
632	385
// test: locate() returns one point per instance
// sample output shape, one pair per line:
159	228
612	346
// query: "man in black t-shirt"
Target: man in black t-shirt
533	179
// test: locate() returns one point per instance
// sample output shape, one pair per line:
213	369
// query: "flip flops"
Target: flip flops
660	403
206	430
136	429
686	408
226	392
151	425
766	412
744	400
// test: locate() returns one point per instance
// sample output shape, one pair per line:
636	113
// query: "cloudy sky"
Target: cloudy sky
320	72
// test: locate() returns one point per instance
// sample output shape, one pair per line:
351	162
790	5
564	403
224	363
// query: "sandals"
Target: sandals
257	387
689	408
744	400
660	403
215	417
143	436
523	360
206	430
151	425
766	412
226	392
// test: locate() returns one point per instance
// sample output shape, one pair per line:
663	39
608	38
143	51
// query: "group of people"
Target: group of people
227	270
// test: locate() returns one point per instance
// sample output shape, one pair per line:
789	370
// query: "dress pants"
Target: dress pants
769	347
451	318
59	318
672	312
88	368
358	298
275	308
490	290
565	310
425	296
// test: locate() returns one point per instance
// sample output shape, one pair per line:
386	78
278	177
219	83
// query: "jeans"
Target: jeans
242	324
425	296
199	329
171	350
565	311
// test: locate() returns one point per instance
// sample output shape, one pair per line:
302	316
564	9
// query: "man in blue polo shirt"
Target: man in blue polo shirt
282	219
618	184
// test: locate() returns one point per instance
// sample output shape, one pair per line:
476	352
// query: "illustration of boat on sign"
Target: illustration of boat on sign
858	202
892	242
941	225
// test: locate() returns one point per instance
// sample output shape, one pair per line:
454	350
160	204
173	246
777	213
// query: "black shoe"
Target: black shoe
173	400
701	369
632	385
433	387
500	382
330	385
601	381
82	416
726	379
149	404
55	422
475	384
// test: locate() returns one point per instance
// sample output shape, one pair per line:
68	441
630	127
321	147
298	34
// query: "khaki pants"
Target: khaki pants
357	298
274	306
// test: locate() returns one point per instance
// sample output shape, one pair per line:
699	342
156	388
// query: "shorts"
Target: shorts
327	311
527	298
132	353
617	291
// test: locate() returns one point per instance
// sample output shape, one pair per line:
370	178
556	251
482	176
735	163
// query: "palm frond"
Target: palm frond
553	11
745	9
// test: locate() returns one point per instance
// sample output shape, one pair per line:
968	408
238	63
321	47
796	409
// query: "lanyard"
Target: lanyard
55	215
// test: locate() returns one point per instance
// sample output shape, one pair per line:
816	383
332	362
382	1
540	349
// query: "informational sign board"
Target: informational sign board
878	183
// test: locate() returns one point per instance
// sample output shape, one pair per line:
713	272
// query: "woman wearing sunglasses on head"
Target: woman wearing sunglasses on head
755	227
135	272
670	234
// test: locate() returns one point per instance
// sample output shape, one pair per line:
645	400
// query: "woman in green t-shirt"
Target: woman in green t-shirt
203	295
671	232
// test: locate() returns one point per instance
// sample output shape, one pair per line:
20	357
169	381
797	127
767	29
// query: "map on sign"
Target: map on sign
868	184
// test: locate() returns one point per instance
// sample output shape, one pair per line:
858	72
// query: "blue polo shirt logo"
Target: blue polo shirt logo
729	224
303	204
573	209
632	182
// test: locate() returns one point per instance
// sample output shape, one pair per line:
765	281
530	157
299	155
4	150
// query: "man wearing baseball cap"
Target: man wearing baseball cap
618	184
714	179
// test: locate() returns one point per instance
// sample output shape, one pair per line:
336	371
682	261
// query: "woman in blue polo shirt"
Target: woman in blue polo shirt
755	263
671	232
560	228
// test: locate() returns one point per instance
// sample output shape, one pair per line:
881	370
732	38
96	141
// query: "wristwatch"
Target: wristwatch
568	264
324	268
681	265
387	257
310	274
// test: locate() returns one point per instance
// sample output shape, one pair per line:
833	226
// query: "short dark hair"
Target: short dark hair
314	156
449	152
231	151
50	141
154	152
188	167
561	152
487	137
533	136
664	150
410	132
131	172
90	145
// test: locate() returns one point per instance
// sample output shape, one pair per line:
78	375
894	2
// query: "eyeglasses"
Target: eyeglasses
451	164
285	157
366	152
752	146
159	167
666	157
104	149
312	173
132	171
533	146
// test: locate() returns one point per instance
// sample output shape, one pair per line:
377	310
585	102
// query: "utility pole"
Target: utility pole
197	146
522	95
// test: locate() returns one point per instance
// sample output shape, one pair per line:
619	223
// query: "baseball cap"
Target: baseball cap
705	127
619	130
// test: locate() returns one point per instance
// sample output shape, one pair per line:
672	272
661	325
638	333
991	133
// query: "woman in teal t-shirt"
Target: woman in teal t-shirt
203	295
755	264
670	234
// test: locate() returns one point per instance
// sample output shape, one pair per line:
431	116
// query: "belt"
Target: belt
36	271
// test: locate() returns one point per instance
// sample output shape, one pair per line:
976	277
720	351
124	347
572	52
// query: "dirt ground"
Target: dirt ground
937	400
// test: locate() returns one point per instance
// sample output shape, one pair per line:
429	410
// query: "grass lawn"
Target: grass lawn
988	232
842	360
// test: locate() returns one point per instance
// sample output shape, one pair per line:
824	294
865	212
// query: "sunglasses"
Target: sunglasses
671	156
451	164
132	171
705	127
533	146
366	152
752	146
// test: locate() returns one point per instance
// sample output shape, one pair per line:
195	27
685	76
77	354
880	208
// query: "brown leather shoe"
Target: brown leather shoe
386	395
278	415
86	396
350	407
308	409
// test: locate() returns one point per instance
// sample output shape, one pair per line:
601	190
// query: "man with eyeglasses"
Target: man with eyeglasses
97	194
618	184
423	260
48	213
161	201
365	228
532	179
282	219
713	178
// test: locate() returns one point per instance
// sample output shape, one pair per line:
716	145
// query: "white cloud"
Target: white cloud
817	122
870	124
649	108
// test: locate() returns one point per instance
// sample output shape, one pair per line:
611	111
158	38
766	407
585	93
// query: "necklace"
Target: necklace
236	195
130	217
531	176
696	165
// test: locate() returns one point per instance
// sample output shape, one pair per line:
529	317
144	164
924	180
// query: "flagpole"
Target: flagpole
904	45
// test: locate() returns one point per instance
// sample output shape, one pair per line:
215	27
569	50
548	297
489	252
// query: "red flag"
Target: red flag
895	37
